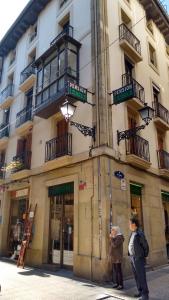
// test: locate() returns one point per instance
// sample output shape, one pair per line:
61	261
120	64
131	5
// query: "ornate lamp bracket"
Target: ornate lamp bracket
85	130
126	134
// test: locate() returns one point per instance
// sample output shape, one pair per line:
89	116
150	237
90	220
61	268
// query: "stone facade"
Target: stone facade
100	198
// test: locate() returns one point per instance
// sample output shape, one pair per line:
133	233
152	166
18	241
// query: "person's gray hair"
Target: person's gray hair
117	229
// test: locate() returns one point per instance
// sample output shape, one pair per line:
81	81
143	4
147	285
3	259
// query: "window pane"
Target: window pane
72	47
54	69
46	76
39	81
61	83
72	63
61	63
53	89
38	100
45	95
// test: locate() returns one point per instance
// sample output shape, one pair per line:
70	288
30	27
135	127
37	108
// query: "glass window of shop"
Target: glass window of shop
136	201
165	200
18	211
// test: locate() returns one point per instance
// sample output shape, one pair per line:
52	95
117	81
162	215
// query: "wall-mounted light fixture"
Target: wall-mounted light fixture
146	114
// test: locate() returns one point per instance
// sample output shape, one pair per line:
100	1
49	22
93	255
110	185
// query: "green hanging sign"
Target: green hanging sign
123	94
77	92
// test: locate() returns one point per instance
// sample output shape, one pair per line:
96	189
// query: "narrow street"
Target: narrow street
35	284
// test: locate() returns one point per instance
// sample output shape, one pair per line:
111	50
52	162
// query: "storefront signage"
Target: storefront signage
119	174
123	94
21	193
76	91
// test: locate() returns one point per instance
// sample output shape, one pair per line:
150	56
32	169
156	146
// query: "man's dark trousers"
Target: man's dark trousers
138	267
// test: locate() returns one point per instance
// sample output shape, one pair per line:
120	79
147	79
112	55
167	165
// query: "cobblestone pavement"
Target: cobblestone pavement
35	284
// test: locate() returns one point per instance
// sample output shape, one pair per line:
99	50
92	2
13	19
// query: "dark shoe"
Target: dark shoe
120	287
115	286
137	295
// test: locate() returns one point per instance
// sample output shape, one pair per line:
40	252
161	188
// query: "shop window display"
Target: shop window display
16	227
136	202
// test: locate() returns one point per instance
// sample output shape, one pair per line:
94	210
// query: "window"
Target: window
12	57
150	26
62	2
152	55
156	94
33	33
136	202
125	19
32	56
6	116
10	78
29	98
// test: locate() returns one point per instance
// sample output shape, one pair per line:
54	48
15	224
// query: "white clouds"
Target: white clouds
9	11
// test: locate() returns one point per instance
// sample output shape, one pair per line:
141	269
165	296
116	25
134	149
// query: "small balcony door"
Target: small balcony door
62	131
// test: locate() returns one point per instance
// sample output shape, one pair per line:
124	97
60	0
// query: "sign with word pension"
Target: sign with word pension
76	91
123	94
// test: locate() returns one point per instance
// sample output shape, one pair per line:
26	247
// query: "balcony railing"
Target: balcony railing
138	146
27	72
23	116
7	92
22	161
138	90
126	33
68	31
161	112
163	159
4	130
58	147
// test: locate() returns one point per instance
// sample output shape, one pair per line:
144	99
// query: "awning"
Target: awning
62	189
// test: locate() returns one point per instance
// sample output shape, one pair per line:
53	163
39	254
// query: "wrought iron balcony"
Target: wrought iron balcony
23	116
22	161
138	146
129	42
163	159
161	112
138	90
67	31
4	130
7	92
59	146
27	72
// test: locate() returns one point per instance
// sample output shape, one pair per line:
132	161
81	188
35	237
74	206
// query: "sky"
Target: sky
9	11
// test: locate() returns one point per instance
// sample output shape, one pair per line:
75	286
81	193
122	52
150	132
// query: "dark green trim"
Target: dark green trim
62	189
135	189
165	196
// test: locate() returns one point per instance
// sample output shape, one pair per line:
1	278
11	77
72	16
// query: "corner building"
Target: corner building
102	46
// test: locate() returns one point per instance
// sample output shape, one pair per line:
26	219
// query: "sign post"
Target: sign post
77	92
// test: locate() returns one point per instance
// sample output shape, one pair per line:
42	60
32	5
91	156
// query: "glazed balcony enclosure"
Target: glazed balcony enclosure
55	68
6	96
132	91
27	78
137	152
129	43
161	116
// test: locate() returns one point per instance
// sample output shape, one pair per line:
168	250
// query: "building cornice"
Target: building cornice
27	18
156	11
